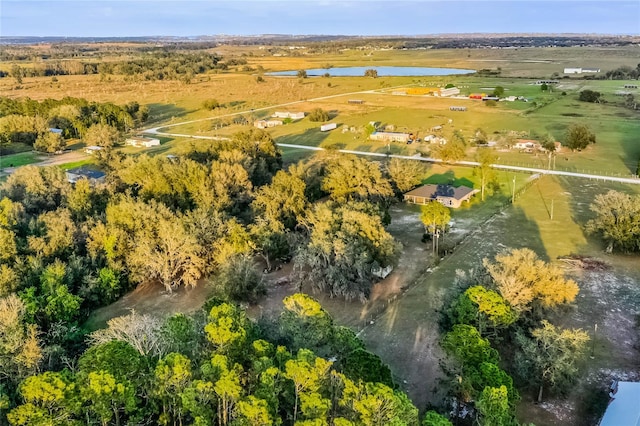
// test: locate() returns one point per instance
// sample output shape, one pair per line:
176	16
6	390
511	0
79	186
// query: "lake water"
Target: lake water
382	71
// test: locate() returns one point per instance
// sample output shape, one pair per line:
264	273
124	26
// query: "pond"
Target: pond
382	71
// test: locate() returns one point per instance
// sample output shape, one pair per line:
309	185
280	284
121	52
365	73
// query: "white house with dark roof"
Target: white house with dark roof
446	195
93	176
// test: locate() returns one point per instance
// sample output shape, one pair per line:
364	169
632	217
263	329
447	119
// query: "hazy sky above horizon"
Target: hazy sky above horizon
111	18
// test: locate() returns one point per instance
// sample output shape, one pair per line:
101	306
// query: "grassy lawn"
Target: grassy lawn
20	159
88	163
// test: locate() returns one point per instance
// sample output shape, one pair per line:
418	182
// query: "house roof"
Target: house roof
88	173
624	408
141	139
434	191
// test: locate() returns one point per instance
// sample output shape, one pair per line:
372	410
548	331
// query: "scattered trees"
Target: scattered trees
371	73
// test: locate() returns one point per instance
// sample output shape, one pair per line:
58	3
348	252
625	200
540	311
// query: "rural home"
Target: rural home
390	136
624	406
141	141
263	124
528	145
328	126
93	176
291	115
92	149
446	195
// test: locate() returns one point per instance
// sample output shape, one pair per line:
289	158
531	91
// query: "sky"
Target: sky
121	18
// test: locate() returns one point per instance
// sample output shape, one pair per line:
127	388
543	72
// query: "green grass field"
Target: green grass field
20	159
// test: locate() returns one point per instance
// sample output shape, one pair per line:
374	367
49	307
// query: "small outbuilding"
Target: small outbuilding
390	136
92	149
291	115
328	126
446	195
142	141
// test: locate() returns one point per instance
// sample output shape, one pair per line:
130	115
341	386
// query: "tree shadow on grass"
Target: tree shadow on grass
310	137
448	178
164	112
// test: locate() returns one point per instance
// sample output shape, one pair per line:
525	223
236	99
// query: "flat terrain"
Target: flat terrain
399	323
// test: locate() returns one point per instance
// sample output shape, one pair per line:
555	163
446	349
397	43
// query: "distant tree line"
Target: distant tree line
26	121
153	66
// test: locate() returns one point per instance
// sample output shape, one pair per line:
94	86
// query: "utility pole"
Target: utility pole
513	191
551	215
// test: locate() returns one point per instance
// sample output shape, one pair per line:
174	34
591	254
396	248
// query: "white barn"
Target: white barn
141	141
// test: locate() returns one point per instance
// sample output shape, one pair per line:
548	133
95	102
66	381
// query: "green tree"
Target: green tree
345	247
49	399
590	96
49	142
211	104
302	74
318	114
527	282
405	175
306	324
20	345
283	200
354	178
579	136
435	218
172	376
551	356
307	373
102	135
238	280
432	418
492	308
452	151
494	409
227	387
107	397
226	329
498	91
371	73
466	344
488	176
173	257
617	220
